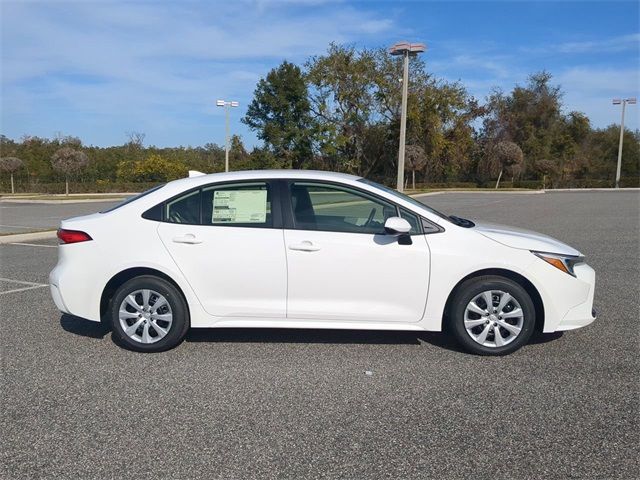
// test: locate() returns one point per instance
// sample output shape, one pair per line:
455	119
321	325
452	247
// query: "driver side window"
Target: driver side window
318	206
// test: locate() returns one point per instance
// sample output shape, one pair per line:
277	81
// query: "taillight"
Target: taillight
73	236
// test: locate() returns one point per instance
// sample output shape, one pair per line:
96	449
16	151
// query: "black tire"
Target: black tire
469	290
180	321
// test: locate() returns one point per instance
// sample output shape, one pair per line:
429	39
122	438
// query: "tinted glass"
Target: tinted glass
337	209
245	204
184	209
404	197
413	220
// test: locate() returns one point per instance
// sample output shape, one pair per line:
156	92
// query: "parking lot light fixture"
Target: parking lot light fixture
623	102
405	49
225	104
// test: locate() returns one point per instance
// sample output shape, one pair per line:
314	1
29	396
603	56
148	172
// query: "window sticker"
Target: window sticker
239	206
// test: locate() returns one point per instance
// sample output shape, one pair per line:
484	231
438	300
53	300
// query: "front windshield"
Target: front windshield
405	197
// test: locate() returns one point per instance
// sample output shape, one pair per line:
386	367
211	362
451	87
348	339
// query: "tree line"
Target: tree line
341	111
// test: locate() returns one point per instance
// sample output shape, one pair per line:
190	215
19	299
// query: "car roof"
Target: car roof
265	174
177	187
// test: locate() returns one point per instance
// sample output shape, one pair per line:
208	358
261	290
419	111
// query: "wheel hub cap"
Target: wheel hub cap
145	316
493	318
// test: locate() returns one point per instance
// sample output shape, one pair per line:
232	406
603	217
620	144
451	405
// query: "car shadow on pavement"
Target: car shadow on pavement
98	330
289	335
84	327
539	337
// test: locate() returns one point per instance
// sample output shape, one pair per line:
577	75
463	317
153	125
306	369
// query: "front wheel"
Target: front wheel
149	314
492	315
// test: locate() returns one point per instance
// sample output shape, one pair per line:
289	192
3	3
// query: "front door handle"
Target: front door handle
305	246
188	238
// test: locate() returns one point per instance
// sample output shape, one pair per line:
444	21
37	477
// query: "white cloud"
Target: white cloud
591	89
155	61
615	44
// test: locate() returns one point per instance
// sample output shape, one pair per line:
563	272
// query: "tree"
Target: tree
69	161
153	169
415	159
10	165
504	156
342	99
530	116
280	114
238	156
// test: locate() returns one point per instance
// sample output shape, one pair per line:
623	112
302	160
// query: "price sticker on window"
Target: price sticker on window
239	206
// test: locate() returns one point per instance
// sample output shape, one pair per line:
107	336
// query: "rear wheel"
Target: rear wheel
149	314
492	315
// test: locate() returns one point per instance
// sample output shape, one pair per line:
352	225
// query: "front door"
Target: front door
341	264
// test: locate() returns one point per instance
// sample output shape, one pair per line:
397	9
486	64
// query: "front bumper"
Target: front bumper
567	300
583	313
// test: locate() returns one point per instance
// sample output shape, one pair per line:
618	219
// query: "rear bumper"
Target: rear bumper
57	298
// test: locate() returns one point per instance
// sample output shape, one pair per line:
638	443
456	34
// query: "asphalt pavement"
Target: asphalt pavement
243	404
27	217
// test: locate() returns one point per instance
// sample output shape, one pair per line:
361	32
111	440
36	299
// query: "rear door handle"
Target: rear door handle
188	238
305	246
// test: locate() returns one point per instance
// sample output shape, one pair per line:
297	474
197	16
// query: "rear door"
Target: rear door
342	265
227	240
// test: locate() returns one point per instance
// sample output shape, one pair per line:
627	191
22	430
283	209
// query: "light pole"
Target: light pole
624	101
226	105
405	49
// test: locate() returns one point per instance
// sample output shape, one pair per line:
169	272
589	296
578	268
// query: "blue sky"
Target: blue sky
98	69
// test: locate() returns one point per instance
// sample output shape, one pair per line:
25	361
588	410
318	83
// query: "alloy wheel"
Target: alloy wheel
493	318
145	316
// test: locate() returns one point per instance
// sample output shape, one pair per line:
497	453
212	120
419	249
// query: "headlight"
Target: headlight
561	262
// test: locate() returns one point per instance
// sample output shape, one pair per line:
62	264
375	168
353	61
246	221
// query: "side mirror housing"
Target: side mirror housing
397	226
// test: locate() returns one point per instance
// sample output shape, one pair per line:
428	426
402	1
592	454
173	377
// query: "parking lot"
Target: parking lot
24	217
239	404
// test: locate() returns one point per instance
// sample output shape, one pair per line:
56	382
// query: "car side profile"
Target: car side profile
304	249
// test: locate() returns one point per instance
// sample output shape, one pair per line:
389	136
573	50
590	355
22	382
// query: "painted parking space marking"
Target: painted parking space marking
28	285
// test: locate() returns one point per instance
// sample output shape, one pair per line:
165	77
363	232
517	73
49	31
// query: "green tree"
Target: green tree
280	114
415	160
152	169
69	161
503	157
11	165
342	99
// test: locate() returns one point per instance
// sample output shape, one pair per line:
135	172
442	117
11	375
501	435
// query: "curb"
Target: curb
25	237
63	202
528	192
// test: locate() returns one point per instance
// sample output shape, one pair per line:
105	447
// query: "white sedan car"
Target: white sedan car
303	249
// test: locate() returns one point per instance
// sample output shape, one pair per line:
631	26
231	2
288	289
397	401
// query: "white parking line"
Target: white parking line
31	285
22	289
33	245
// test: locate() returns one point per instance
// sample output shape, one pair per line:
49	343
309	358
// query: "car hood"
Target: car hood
525	239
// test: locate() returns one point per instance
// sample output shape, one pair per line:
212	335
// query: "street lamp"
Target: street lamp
226	105
624	102
405	49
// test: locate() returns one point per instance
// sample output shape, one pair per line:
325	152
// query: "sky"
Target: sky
99	69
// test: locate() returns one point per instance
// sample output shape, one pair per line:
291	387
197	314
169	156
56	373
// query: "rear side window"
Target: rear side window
243	204
239	205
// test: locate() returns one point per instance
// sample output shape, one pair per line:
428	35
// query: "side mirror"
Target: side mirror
397	226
